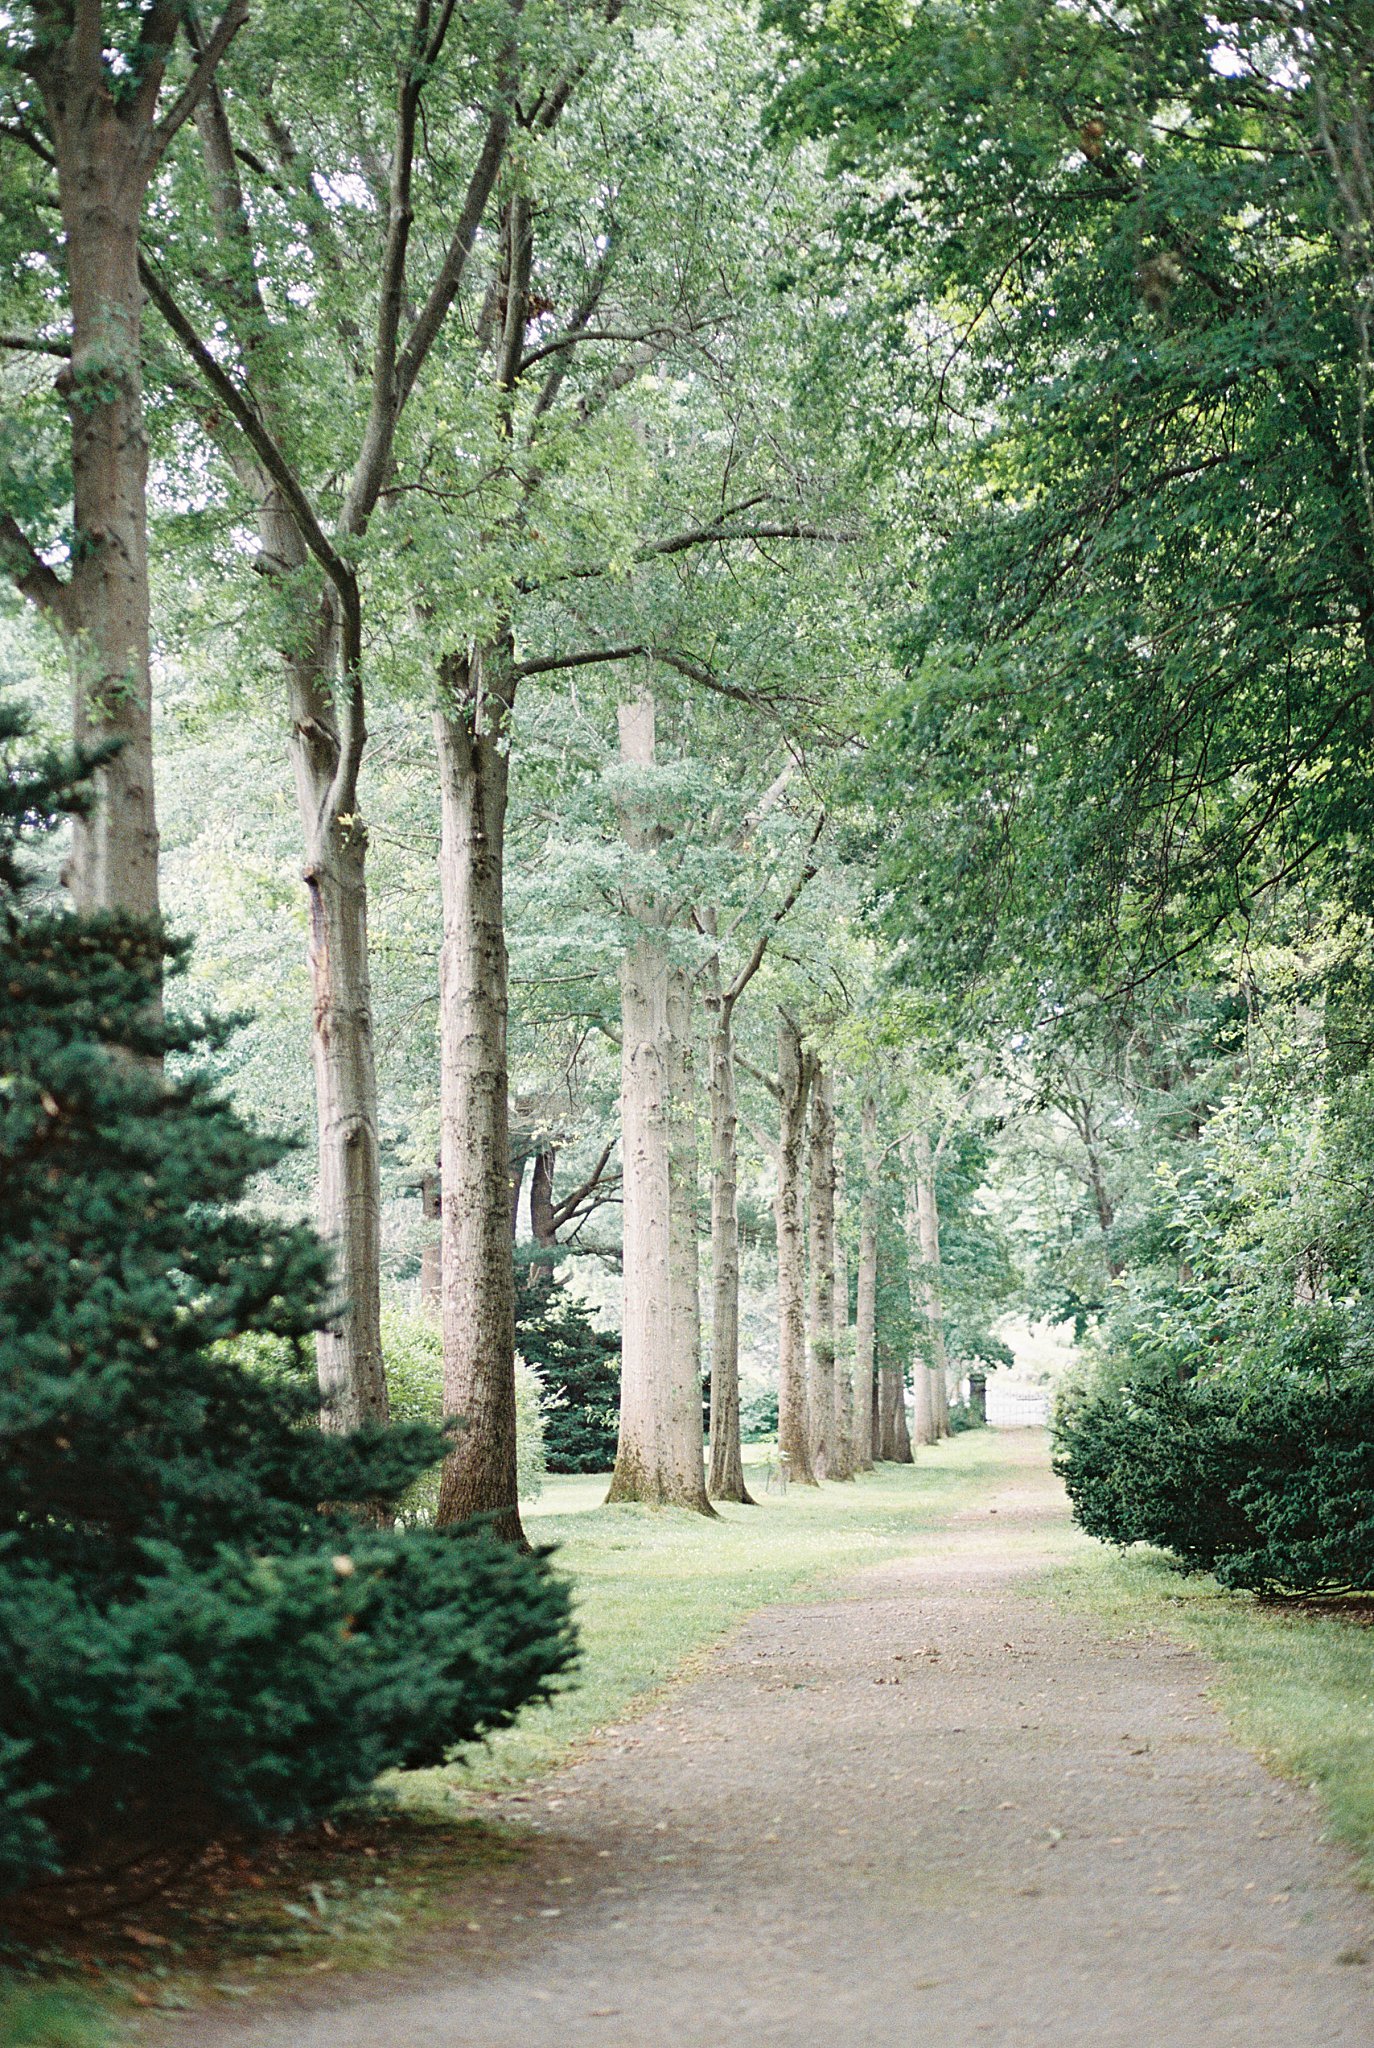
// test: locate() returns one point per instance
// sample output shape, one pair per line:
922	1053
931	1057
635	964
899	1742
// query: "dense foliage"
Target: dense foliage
1268	1484
189	1640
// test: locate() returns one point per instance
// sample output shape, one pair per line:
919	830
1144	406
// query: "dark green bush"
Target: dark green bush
579	1367
1268	1482
189	1640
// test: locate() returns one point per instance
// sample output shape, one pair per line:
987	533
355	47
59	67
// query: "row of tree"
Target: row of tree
469	357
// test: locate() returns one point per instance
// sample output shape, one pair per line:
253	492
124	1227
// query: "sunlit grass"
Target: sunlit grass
653	1587
1297	1687
43	2016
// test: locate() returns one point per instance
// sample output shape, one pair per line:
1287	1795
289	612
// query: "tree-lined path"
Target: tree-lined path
933	1807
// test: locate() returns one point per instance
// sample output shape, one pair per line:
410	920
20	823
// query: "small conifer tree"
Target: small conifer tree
579	1366
198	1629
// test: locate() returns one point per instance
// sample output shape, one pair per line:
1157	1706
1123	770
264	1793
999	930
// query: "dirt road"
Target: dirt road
933	1810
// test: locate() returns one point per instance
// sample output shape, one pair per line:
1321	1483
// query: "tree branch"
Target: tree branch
574	335
265	447
32	576
769	1081
695	671
30	345
751	966
206	64
567	1208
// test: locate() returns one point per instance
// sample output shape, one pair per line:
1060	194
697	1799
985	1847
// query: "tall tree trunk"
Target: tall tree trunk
543	1222
684	1249
349	1352
889	1397
471	728
926	1427
821	1305
726	1480
794	1081
929	1223
866	1301
845	1459
659	1456
106	142
902	1450
115	850
431	1255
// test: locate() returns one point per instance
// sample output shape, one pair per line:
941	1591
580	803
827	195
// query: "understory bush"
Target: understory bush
1267	1481
413	1351
190	1641
758	1410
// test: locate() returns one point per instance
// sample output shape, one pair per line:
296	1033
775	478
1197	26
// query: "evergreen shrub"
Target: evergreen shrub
190	1642
579	1370
1266	1481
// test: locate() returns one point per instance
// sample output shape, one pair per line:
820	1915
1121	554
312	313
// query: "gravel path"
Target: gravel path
935	1810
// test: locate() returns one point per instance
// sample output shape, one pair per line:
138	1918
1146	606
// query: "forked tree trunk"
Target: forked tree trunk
820	1333
726	1480
929	1224
845	1459
328	735
659	1455
478	1289
925	1426
794	1077
866	1301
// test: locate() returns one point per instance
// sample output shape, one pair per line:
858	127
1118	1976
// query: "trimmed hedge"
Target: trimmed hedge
1269	1484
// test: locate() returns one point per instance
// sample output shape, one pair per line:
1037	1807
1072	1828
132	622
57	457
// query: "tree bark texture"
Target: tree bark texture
684	1248
820	1334
726	1480
348	1204
866	1300
929	1223
659	1455
479	1475
794	1081
103	144
844	1462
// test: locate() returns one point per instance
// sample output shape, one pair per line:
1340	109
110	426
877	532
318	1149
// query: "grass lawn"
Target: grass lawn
656	1586
1297	1686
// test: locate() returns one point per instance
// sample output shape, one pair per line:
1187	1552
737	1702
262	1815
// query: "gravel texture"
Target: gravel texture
935	1809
